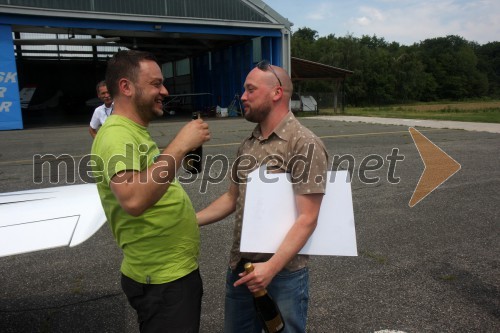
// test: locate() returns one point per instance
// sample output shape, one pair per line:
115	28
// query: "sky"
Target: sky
402	21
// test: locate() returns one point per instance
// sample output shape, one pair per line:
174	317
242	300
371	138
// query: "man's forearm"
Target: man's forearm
138	191
220	208
92	132
294	241
217	210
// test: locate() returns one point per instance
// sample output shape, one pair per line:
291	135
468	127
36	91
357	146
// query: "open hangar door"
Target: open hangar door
64	57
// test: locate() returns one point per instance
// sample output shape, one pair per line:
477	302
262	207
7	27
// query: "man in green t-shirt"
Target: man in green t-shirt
150	215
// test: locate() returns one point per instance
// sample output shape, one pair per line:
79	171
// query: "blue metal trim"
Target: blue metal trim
267	49
135	26
277	51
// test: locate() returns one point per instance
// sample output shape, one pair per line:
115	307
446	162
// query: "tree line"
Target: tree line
443	68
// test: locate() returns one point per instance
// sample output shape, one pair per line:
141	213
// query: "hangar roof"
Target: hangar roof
227	10
309	70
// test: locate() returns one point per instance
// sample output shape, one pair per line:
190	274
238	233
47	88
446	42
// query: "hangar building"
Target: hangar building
60	48
55	51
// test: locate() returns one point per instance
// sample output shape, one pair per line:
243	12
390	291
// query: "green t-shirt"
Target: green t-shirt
162	244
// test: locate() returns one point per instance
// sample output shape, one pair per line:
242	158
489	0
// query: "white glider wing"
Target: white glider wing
41	219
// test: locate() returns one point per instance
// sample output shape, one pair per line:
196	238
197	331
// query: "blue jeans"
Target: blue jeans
290	291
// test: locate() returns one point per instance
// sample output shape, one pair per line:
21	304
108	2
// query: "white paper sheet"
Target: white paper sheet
270	212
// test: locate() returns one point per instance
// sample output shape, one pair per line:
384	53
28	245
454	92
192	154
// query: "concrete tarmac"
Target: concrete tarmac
431	268
469	126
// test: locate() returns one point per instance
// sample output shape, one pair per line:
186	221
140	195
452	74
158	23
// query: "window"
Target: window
182	67
257	49
167	70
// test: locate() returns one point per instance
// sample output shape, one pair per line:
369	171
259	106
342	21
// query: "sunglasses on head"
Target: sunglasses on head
264	65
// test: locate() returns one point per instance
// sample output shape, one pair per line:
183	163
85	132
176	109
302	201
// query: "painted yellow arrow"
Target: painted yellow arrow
439	166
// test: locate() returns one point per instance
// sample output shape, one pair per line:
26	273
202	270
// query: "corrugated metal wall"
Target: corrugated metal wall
229	68
220	81
233	10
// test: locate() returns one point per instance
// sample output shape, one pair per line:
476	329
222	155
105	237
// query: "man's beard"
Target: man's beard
145	107
258	114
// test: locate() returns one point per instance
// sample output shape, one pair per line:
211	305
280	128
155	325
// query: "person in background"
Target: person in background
151	216
279	139
103	111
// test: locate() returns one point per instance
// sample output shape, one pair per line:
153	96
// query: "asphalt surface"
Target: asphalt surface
431	268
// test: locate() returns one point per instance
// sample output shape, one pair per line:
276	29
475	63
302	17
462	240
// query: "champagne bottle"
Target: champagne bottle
267	309
193	159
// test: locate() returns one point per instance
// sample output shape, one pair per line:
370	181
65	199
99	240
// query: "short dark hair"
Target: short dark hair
100	84
124	64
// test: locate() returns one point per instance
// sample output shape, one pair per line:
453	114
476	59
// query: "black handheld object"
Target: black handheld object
267	309
193	159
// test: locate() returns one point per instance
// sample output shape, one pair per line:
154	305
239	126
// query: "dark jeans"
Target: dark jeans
170	307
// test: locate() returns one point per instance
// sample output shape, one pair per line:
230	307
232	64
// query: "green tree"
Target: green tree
350	56
489	64
302	43
412	82
453	64
306	34
439	68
